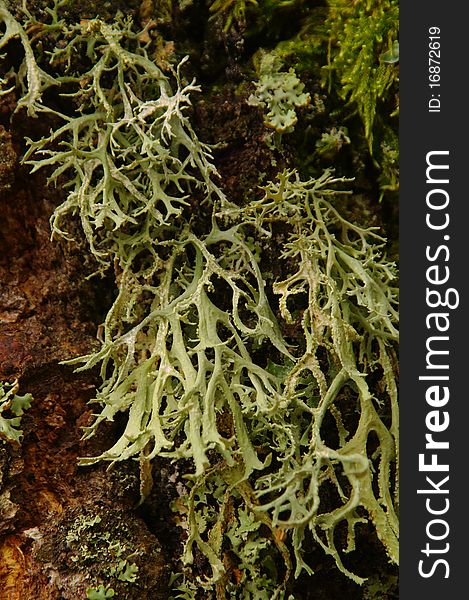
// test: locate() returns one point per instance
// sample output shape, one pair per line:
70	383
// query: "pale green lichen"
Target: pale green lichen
331	142
184	346
279	94
88	544
12	407
131	156
99	593
196	359
350	311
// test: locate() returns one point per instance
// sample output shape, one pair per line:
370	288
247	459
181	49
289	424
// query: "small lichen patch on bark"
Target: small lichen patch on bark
87	546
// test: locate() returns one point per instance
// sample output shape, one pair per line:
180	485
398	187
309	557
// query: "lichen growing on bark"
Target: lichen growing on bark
278	94
12	407
260	379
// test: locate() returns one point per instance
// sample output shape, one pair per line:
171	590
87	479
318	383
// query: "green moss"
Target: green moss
361	34
352	48
231	10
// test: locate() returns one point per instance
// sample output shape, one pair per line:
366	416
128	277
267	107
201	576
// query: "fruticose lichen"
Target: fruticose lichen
287	439
128	150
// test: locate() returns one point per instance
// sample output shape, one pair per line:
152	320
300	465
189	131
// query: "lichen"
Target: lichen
12	407
276	432
130	156
330	142
351	312
99	549
88	544
279	93
99	593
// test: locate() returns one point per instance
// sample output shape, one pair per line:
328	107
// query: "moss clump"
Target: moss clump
360	33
